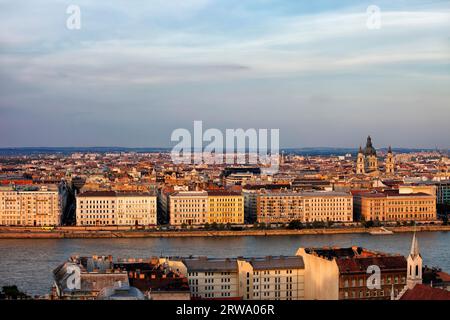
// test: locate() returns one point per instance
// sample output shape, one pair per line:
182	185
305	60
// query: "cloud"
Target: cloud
159	57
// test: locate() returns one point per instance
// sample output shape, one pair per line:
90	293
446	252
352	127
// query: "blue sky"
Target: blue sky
137	70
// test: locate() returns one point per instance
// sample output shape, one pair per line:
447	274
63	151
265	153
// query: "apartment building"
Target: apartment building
201	207
272	278
346	273
392	205
225	207
211	278
251	192
443	192
305	207
188	207
30	206
328	206
263	278
116	208
279	207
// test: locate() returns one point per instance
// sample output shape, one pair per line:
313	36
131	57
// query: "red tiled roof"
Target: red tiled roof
352	265
444	276
424	292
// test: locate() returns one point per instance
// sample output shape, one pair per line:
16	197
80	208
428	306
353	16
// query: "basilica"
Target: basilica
367	160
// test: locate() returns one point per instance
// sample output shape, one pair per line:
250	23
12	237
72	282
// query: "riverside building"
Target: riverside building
30	206
200	207
393	205
305	207
116	208
225	207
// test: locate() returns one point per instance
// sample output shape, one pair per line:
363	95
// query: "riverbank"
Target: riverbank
77	233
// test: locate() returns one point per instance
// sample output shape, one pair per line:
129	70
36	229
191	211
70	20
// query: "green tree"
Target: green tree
12	292
295	224
318	224
368	224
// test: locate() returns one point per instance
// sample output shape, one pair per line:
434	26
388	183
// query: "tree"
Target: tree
445	220
295	224
12	292
368	224
183	226
206	226
318	224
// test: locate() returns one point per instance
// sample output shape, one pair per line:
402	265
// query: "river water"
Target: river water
28	263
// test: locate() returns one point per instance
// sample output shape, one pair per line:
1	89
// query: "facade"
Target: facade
200	207
395	206
30	207
305	207
212	278
272	278
225	207
367	160
265	278
188	208
443	192
389	163
279	207
345	273
101	208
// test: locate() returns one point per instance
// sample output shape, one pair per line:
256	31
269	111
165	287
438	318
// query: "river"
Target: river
28	263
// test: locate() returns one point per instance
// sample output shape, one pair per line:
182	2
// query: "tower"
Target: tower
389	163
414	265
371	156
360	162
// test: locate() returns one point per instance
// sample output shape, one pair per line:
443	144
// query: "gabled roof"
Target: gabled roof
424	292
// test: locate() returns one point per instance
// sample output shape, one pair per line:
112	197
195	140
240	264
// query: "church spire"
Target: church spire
414	246
414	264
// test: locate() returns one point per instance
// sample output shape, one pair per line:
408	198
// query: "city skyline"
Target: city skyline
134	73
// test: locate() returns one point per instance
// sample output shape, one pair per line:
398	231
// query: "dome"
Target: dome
369	150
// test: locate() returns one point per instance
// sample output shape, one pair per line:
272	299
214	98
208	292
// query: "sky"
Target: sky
137	70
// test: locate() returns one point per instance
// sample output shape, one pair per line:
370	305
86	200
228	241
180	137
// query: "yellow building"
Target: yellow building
225	207
40	207
395	206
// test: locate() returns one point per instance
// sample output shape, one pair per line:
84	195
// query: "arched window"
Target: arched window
417	270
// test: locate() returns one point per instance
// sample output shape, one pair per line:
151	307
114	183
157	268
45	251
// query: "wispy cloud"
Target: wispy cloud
222	45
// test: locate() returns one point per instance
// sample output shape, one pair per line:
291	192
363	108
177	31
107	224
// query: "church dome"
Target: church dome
369	150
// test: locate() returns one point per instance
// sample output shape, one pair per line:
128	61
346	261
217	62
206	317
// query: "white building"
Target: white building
188	207
116	208
265	278
40	206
